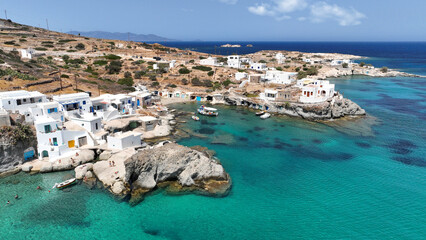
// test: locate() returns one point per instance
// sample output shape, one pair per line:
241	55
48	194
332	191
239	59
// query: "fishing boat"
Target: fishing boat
260	113
196	118
65	184
265	116
208	111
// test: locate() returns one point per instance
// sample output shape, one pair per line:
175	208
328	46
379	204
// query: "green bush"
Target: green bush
127	74
114	67
279	68
184	71
64	76
47	42
384	69
16	74
80	46
66	40
100	62
112	57
227	82
184	81
126	81
9	42
211	73
362	64
40	49
155	84
262	61
345	65
202	68
139	74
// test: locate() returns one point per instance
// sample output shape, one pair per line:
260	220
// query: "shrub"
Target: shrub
202	68
262	61
362	64
114	67
301	75
279	68
9	42
66	40
126	81
155	84
80	46
173	86
47	42
184	71
66	58
100	62
196	82
384	69
40	49
227	82
211	73
112	57
191	61
202	57
184	81
345	65
127	75
65	76
139	74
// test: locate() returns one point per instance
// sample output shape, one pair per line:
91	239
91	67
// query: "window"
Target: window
96	126
9	102
84	102
129	101
25	100
47	129
32	100
18	102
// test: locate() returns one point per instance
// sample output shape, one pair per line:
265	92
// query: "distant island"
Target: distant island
122	36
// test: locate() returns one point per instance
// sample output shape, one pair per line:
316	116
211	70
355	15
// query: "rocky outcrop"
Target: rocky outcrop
336	107
190	169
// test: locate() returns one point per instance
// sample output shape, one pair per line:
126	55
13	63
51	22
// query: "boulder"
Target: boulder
27	167
81	171
46	167
105	155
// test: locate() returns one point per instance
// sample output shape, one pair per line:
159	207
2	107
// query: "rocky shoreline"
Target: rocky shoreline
334	108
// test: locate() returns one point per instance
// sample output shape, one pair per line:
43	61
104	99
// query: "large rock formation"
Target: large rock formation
188	169
171	166
335	107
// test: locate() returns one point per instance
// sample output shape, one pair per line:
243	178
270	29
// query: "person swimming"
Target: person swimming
38	188
16	196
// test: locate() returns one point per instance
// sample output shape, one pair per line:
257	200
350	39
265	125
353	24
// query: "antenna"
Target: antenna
5	13
47	24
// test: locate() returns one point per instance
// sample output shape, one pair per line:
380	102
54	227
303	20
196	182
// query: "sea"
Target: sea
291	178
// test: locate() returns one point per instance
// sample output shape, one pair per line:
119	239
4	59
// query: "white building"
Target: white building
336	62
4	118
210	61
258	66
74	103
53	141
172	64
141	98
240	75
124	140
20	101
236	61
269	95
90	122
279	77
46	109
317	91
27	53
280	58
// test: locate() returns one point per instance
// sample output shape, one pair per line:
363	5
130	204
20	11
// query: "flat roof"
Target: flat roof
70	97
147	118
20	94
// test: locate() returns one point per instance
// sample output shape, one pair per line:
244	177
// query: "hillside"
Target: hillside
122	36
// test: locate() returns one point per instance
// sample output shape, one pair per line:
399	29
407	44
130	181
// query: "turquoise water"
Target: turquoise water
291	179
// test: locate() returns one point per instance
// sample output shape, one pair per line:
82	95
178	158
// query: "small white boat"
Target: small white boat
196	118
207	111
265	116
260	113
65	184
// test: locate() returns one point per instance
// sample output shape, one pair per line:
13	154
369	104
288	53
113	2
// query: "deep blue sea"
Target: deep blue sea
405	56
292	179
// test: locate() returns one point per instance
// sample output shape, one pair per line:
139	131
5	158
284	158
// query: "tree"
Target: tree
312	71
384	69
126	81
362	64
66	58
139	74
210	73
227	82
184	81
114	67
345	65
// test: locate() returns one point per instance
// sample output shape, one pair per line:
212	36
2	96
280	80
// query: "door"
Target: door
308	93
45	153
55	142
47	129
71	144
82	141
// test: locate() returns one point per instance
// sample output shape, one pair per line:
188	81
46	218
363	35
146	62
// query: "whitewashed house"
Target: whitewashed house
122	102
280	58
124	140
172	64
317	91
46	109
236	61
148	123
141	98
258	66
337	62
240	75
53	141
20	101
74	103
210	61
279	77
27	53
91	122
269	95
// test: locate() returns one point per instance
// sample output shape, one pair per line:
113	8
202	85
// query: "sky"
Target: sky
232	20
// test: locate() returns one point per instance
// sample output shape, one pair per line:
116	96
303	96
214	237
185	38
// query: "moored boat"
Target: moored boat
207	111
265	116
65	184
260	113
196	118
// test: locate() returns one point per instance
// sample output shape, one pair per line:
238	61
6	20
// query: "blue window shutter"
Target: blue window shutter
55	109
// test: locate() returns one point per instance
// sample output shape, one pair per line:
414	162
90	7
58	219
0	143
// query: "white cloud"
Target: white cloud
261	10
345	17
279	8
229	1
319	12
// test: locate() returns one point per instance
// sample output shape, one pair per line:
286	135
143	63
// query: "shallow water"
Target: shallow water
291	179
